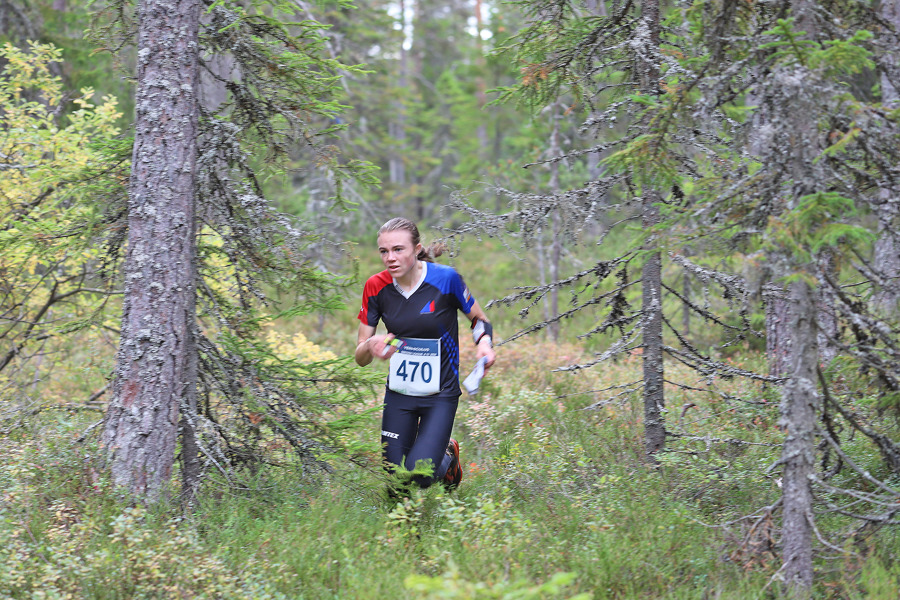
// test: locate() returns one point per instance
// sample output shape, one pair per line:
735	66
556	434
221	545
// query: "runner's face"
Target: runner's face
398	253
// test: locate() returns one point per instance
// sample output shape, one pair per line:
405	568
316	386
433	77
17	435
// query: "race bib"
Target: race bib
416	368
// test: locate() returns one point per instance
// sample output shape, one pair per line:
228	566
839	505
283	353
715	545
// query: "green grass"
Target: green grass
556	503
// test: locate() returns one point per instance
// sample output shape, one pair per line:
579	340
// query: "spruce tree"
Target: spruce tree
783	80
279	88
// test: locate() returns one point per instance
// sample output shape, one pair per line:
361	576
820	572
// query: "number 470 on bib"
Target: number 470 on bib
411	368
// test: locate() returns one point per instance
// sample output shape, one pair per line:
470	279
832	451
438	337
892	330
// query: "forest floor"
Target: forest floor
556	502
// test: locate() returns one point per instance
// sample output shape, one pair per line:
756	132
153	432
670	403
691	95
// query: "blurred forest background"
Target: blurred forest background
682	218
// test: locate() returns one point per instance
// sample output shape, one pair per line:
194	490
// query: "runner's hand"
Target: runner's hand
484	349
378	346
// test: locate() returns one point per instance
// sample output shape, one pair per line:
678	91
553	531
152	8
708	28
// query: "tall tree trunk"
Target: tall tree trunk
397	126
479	80
799	406
156	362
827	320
190	448
890	76
651	307
651	276
686	292
775	303
555	258
212	92
542	274
556	226
596	7
887	246
778	338
799	410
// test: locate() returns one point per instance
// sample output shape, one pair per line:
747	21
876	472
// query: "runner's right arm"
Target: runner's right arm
369	345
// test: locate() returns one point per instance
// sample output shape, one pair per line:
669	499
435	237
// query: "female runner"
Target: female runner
417	300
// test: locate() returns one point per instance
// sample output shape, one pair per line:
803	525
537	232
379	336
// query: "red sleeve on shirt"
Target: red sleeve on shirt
369	312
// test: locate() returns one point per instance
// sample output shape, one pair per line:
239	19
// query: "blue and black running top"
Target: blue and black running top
427	312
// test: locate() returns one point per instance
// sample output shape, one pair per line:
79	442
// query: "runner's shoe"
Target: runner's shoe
454	472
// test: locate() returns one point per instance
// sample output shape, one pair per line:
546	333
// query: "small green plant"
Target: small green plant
452	586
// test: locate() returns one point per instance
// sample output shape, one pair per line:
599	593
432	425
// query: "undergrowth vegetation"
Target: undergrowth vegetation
556	502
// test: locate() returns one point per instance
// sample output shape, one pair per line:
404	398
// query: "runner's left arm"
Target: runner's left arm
485	346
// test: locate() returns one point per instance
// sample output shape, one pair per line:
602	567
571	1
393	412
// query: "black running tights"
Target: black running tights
417	428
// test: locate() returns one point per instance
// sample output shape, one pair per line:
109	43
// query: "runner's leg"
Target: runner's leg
433	435
399	423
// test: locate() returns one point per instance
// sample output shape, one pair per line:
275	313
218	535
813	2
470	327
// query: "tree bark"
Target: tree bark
827	323
542	274
887	246
190	448
778	338
799	410
480	84
651	307
555	258
156	362
556	226
799	406
775	303
397	125
686	292
651	276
